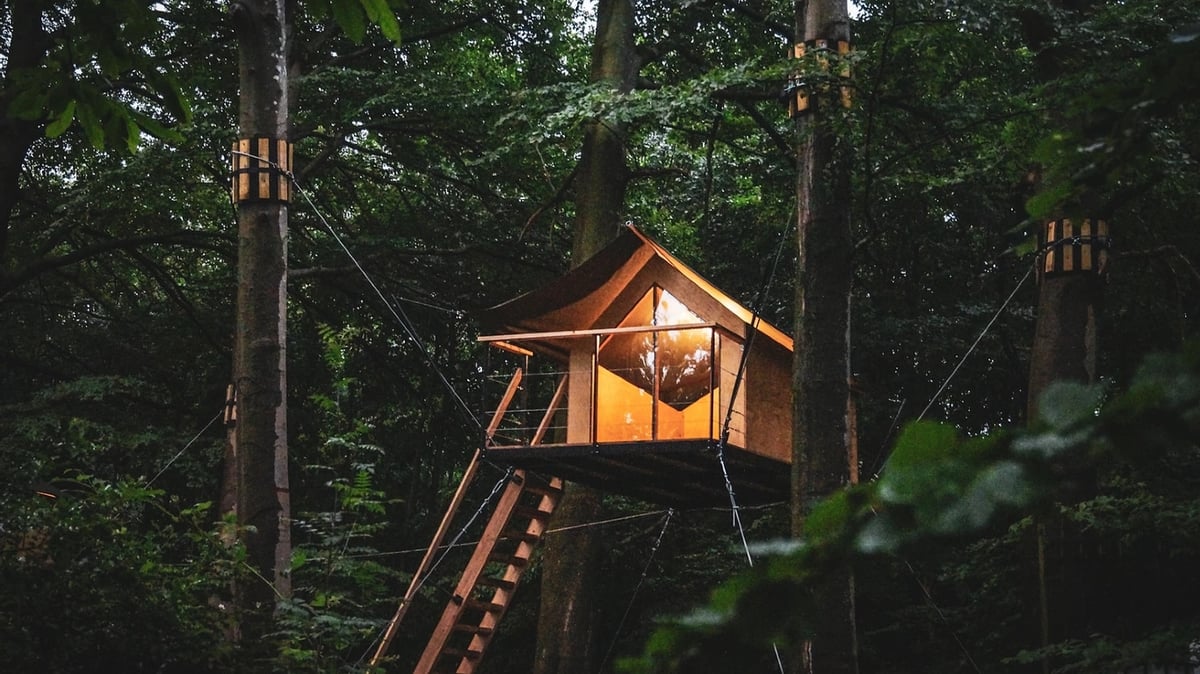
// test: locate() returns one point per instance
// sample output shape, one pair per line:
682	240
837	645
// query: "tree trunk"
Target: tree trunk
1065	345
568	616
260	434
1065	337
821	369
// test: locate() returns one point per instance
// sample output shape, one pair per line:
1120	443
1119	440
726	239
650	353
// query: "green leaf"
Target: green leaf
1045	445
1043	204
1186	34
923	442
879	535
1003	483
91	125
349	15
1027	246
1066	404
133	134
62	122
171	95
29	103
154	128
380	14
828	518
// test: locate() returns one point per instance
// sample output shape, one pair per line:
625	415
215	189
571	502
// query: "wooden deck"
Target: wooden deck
677	473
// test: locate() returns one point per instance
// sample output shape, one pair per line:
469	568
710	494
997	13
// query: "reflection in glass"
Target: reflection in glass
655	384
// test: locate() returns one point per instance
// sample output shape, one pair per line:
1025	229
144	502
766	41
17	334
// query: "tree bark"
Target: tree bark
1065	345
821	368
260	375
568	617
1065	339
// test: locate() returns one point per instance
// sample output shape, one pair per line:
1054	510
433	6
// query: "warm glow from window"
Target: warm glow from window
656	384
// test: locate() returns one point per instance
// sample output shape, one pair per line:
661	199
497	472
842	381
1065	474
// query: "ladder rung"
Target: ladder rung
511	560
535	486
460	654
532	513
483	605
473	629
488	581
522	536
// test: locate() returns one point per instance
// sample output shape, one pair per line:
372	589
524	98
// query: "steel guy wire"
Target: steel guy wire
454	543
185	447
636	588
975	344
466	409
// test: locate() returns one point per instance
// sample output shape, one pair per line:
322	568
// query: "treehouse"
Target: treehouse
634	375
631	376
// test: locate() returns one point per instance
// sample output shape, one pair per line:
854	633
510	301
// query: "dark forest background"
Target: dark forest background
445	161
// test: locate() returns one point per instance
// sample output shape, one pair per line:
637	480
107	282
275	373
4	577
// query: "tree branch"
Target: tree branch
188	238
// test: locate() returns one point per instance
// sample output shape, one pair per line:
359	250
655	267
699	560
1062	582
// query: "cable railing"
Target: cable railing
531	415
633	384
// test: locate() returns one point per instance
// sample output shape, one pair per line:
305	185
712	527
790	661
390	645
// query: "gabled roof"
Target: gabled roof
584	297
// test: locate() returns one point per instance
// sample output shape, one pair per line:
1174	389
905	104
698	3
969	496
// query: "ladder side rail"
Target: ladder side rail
503	596
470	578
513	385
444	527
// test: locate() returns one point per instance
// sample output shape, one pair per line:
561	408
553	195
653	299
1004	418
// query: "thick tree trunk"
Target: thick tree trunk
821	370
260	435
603	175
1065	336
1065	345
568	617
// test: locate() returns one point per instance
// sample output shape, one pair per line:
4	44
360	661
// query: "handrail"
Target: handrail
550	410
565	334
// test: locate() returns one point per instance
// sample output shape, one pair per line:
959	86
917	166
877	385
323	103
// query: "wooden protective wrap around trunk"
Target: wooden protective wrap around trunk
261	169
1075	246
799	93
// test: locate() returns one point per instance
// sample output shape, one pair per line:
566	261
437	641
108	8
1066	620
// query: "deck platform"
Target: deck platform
675	473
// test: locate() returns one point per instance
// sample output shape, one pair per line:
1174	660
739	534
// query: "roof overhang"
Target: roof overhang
581	299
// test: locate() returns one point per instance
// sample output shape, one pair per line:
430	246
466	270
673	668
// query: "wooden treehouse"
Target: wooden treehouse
639	357
630	369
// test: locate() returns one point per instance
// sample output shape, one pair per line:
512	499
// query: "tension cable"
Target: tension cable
636	588
408	329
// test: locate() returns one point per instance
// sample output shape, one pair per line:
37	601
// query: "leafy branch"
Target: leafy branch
938	486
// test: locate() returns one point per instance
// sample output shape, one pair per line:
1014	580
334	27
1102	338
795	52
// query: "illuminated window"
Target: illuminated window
656	384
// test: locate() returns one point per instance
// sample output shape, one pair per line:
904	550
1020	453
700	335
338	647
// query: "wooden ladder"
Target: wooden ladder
516	526
490	580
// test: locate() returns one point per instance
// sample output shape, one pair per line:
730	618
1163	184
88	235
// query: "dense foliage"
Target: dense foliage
440	150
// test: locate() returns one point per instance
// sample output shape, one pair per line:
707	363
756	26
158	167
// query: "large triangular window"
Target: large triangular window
655	383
